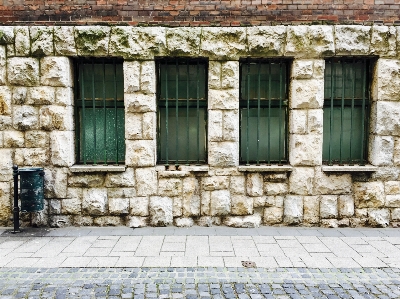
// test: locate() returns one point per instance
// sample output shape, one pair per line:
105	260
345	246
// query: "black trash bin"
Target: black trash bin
31	189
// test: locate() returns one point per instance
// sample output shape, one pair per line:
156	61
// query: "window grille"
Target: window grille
346	110
99	111
263	111
182	111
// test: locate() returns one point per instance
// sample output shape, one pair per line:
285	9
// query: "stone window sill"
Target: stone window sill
97	168
349	168
181	171
265	168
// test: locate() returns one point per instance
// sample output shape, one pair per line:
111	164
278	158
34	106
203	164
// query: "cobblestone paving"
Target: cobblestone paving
199	283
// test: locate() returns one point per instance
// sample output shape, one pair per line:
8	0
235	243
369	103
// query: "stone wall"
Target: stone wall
37	129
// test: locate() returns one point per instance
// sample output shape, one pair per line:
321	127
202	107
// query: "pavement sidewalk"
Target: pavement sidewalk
267	247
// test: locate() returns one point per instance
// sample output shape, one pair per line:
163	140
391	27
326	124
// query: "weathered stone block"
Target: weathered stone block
223	75
92	40
64	41
5	202
64	96
5	122
220	203
329	206
395	214
205	203
131	76
191	197
315	121
237	184
266	40
139	102
259	201
60	221
19	95
41	40
149	124
392	187
123	179
369	194
22	43
293	209
352	39
241	205
383	40
254	184
13	139
137	42
31	156
183	41
133	126
23	71
311	209
94	201
221	43
62	148
40	95
108	221
384	118
2	65
135	221
332	184
276	201
302	69
307	94
392	201
331	223
55	182
54	206
56	71
5	100
183	222
71	206
275	188
309	41
226	99
170	187
301	181
140	153
223	154
346	206
146	181
118	206
378	217
273	215
243	221
120	192
386	82
6	160
56	118
86	180
383	173
177	207
298	121
160	209
230	127
381	150
139	206
79	220
305	150
6	35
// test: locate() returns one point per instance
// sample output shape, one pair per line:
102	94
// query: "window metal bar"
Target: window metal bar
353	84
248	115
341	115
94	117
166	114
269	114
115	113
258	113
280	112
198	113
331	112
362	162
104	113
176	112
187	115
83	132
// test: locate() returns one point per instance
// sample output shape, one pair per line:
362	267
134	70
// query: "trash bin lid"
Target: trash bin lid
31	169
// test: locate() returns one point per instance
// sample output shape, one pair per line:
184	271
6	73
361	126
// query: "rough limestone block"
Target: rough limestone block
118	206
121	179
23	71
22	41
385	118
62	148
298	121
215	183
64	41
59	221
223	43
346	206
86	180
369	194
226	99
2	65
191	197
5	100
273	215
170	187
241	205
392	201
378	217
92	40
177	207
64	96
293	209
6	160
383	41
94	201
55	182
5	122
108	221
243	221
315	121
133	126
5	202
301	181
309	41
311	209
41	40
223	154
276	201
149	126
56	118
31	156
6	35
223	75
266	40
396	150
183	222
160	209
306	94
139	206
139	102
71	206
135	221
131	76
237	184
205	203
395	214
302	69
183	41
56	71
230	127
39	95
328	206
146	181
19	95
79	220
386	81
121	192
332	183
254	184
215	122
392	187
220	203
352	39
305	150
259	201
148	77
140	153
137	42
54	206
275	188
25	118
381	150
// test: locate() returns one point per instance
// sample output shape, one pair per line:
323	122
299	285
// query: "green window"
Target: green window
263	111
346	110
99	111
182	111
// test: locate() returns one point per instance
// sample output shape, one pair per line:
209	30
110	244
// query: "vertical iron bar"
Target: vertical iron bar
94	117
341	115
198	115
364	78
166	113
176	112
115	112
280	111
258	112
16	206
269	113
353	82
105	113
331	112
83	119
187	115
248	113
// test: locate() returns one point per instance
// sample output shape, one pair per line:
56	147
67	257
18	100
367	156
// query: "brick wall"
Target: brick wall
199	13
